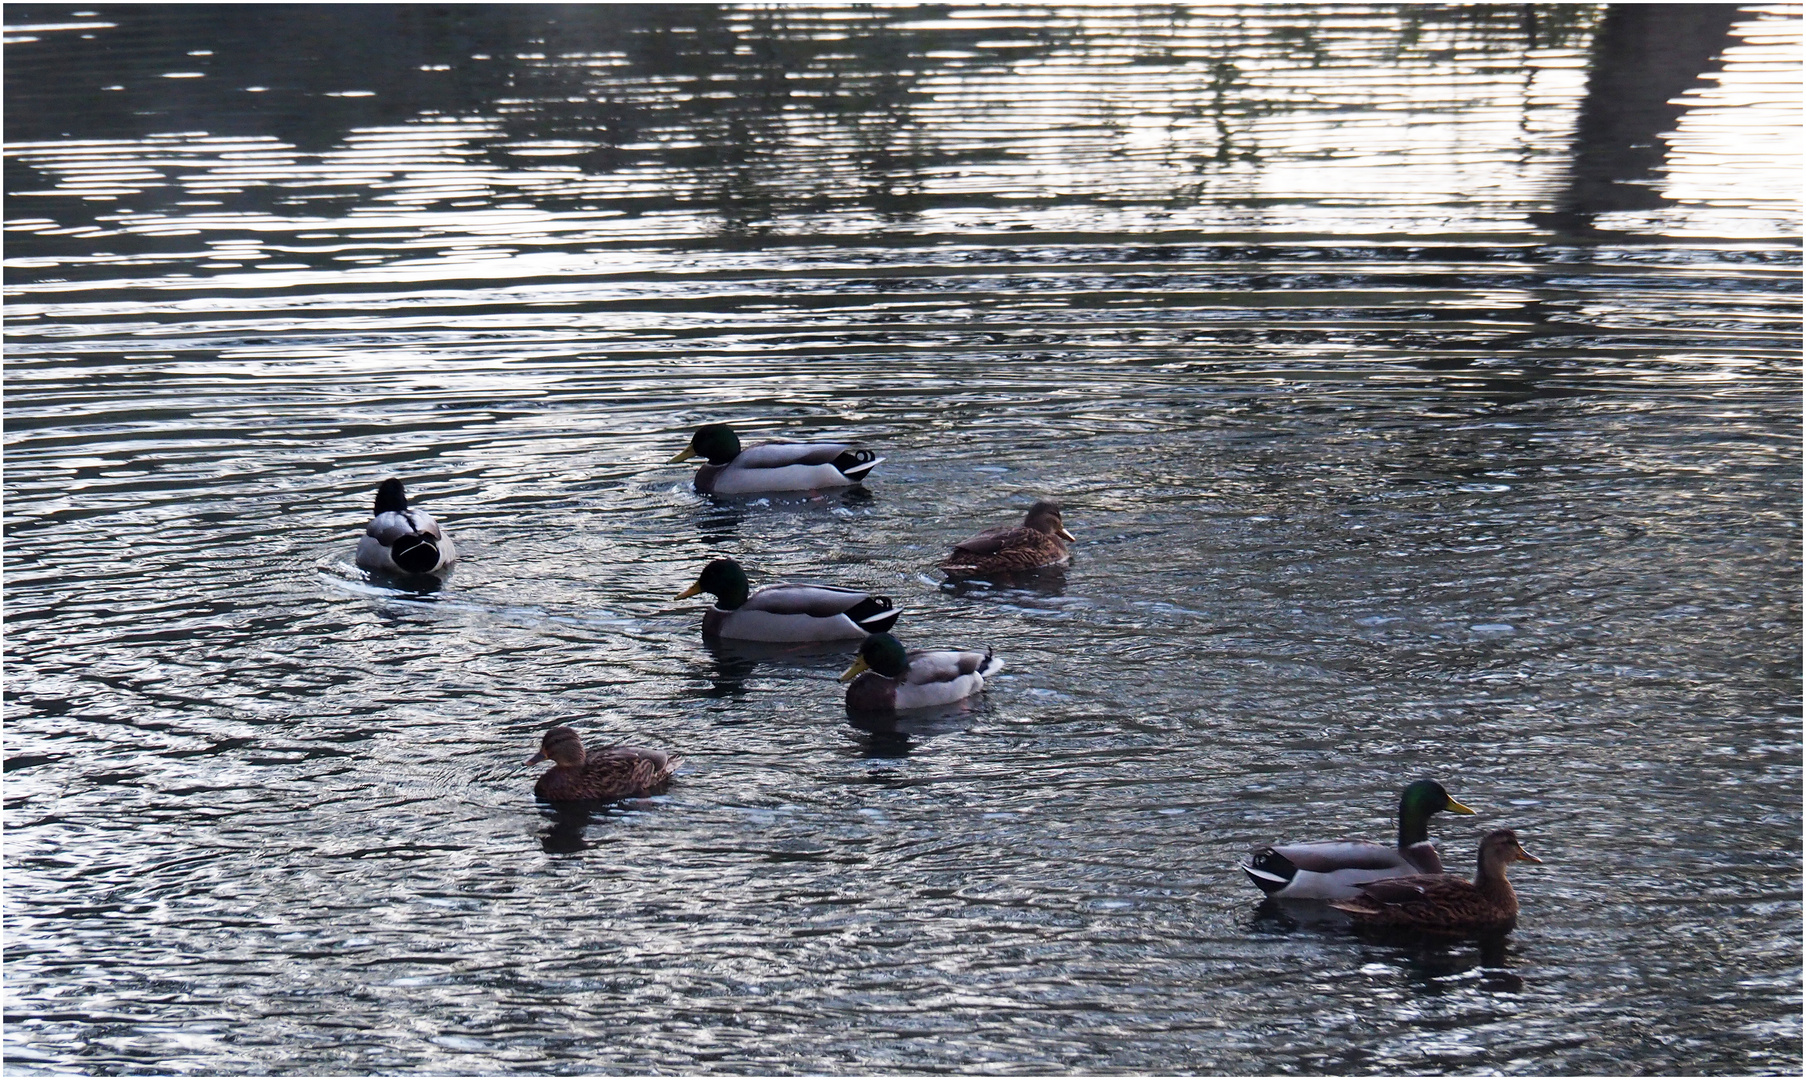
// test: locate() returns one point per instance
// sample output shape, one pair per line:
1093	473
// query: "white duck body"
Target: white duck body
1336	869
781	466
943	677
423	546
791	613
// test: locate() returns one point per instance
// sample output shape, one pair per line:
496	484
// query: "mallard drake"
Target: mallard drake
403	541
772	466
607	775
1447	903
786	612
1328	869
1038	542
885	678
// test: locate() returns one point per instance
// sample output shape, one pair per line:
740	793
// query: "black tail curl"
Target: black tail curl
874	614
855	463
1271	862
415	554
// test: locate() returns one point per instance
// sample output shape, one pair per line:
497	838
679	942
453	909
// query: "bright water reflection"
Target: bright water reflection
1410	423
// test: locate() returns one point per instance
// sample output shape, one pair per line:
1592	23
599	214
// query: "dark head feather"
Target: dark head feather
717	442
390	498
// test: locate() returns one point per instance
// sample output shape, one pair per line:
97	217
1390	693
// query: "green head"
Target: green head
724	580
880	653
1420	800
717	442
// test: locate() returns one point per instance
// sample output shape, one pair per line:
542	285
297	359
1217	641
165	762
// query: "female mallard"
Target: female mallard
1332	869
772	466
786	612
1445	903
1038	542
606	775
887	679
403	541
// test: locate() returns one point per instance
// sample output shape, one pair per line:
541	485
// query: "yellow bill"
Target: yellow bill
689	592
852	673
689	452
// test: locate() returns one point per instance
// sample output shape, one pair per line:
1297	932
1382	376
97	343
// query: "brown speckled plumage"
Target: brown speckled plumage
1038	542
607	775
1446	903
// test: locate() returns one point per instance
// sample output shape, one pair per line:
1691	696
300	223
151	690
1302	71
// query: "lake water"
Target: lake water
1423	386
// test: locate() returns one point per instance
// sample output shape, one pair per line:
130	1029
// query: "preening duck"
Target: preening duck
772	466
1040	541
400	540
1330	869
1445	903
885	678
607	775
787	612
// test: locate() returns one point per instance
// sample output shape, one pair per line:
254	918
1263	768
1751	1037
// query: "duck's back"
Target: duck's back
406	541
1432	902
609	774
1007	547
776	455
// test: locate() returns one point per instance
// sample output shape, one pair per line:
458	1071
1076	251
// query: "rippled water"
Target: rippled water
1424	390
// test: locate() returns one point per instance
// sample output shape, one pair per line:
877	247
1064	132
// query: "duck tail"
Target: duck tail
1269	870
992	665
874	614
416	554
854	464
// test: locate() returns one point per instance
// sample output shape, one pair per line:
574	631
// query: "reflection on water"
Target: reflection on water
1645	59
1424	382
1047	581
644	124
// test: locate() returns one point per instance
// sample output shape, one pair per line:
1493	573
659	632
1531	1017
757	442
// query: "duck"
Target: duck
772	466
1336	869
787	612
607	775
1040	541
1447	903
886	678
400	540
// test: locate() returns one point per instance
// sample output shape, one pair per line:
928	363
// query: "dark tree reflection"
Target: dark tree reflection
1645	57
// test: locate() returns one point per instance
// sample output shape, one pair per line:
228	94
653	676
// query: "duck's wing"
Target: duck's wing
1415	887
992	541
946	665
777	455
819	601
394	525
1004	549
1329	856
635	769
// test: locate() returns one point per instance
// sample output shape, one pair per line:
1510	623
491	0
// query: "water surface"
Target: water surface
1414	415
